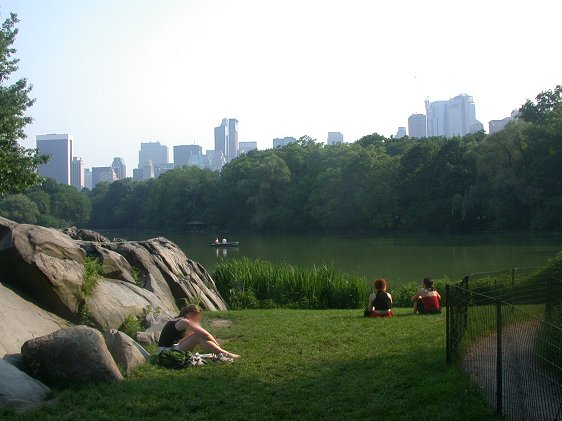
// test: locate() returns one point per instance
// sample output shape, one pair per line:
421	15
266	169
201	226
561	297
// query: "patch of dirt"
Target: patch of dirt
217	322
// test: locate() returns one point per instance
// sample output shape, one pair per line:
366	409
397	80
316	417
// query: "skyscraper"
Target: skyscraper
88	178
417	126
280	142
400	133
103	174
183	153
226	138
334	137
455	117
120	168
495	126
245	147
77	173
153	151
59	148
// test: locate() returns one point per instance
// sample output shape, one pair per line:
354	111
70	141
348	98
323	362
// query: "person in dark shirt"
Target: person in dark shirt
380	301
427	300
184	333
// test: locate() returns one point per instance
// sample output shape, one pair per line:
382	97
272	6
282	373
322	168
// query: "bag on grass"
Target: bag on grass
175	359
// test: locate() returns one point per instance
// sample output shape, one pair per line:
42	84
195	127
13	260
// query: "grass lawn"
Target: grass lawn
297	364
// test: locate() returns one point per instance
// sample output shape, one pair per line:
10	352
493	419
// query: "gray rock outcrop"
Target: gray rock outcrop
21	320
20	391
125	351
76	354
134	276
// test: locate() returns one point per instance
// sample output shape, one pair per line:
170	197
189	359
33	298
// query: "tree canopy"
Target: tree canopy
17	164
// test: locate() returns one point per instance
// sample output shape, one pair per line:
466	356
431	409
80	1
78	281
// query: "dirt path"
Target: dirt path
528	392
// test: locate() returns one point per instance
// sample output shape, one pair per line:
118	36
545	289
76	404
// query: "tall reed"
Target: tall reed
257	283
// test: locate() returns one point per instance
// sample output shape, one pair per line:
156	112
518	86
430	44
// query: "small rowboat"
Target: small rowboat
229	244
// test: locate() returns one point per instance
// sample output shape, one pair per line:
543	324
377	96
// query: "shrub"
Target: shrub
92	275
131	325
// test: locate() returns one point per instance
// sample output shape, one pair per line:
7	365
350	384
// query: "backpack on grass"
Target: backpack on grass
176	359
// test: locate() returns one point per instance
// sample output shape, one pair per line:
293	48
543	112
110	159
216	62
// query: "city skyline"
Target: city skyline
148	71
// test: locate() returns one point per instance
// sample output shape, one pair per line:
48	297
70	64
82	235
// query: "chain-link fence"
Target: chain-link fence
505	330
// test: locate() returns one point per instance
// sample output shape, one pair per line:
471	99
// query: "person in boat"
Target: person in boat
216	240
184	333
427	300
224	241
380	301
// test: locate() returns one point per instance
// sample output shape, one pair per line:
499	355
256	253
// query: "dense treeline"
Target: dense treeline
511	180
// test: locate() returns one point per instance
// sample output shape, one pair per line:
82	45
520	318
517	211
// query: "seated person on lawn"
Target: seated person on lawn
380	301
427	299
184	333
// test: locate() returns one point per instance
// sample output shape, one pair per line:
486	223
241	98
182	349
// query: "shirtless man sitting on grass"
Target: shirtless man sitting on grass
184	333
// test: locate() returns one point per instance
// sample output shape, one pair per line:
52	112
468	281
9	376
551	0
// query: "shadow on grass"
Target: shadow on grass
386	387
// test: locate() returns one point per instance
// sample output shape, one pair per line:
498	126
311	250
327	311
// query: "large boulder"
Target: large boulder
21	320
167	271
48	265
20	391
86	235
127	353
76	354
44	263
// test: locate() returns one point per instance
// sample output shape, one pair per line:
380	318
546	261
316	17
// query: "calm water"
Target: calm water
399	258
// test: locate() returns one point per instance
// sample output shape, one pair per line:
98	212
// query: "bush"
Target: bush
92	275
131	325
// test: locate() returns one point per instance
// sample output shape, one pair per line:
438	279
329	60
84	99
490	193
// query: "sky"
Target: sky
115	73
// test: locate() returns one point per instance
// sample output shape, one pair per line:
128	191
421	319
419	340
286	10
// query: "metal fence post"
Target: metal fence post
448	324
499	359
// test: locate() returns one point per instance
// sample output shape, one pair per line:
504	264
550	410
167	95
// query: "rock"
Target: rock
48	265
44	263
148	337
85	235
21	320
125	351
20	391
169	272
113	301
76	354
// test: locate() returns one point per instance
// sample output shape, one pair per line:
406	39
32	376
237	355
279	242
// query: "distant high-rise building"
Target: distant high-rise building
226	138
120	168
280	142
103	174
245	147
334	138
183	153
162	168
153	151
88	178
400	133
59	148
455	117
495	126
417	126
216	160
77	173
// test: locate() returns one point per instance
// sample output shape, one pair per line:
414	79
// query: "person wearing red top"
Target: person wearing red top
427	300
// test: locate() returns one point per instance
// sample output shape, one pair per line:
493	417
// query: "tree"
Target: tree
19	208
17	164
548	106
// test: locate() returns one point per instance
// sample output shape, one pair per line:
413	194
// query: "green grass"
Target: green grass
92	275
249	283
297	364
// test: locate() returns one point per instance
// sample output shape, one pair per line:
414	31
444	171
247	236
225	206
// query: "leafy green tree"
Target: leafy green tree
19	208
17	164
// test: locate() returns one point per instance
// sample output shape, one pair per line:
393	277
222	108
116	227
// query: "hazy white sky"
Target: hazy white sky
115	73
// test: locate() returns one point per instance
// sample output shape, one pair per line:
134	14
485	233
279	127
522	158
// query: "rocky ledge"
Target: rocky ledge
52	280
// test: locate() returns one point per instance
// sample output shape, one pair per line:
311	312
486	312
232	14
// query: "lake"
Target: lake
399	258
